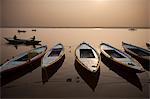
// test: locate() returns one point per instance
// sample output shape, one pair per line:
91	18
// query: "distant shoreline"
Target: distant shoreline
76	27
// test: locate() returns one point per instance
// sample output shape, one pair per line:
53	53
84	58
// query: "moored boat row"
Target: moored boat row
85	55
89	58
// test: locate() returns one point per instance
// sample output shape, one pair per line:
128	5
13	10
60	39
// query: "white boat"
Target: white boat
120	57
140	54
53	55
24	59
88	57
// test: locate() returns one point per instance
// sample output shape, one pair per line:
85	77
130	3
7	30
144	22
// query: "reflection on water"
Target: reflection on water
18	72
143	61
18	42
69	79
130	76
90	78
51	70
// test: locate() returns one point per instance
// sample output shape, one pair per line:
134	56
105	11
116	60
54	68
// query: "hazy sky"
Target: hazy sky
75	13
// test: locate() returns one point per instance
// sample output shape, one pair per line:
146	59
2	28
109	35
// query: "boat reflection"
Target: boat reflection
90	78
16	45
19	72
126	74
48	72
145	65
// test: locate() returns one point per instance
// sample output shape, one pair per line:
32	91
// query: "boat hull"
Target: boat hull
17	41
92	67
10	71
6	72
32	42
118	64
49	71
22	41
123	72
91	78
15	73
144	62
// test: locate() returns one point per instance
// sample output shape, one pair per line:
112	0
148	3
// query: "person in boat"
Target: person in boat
15	37
33	38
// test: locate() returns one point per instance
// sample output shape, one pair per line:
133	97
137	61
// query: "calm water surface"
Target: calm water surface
68	80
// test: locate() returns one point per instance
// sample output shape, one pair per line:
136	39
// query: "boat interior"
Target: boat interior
55	52
86	53
114	54
27	56
140	52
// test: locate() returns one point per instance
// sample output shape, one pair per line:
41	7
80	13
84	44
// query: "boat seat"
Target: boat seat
55	52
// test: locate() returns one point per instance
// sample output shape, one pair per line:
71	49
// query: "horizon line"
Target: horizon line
73	27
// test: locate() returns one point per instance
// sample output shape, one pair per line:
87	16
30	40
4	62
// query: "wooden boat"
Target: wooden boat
22	41
148	44
22	60
90	78
14	41
53	55
48	72
140	54
19	72
126	74
23	31
88	57
121	58
31	42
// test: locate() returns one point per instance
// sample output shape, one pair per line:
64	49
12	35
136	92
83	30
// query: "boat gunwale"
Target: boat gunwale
131	52
120	51
17	56
76	57
133	60
24	62
60	56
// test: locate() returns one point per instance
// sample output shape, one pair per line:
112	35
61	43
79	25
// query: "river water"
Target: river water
67	81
